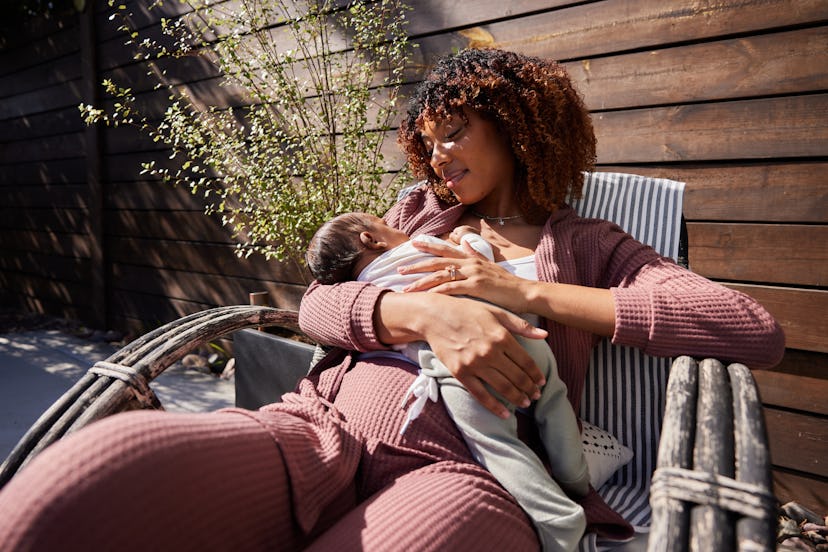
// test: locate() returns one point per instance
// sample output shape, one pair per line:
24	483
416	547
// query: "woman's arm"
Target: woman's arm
474	340
669	311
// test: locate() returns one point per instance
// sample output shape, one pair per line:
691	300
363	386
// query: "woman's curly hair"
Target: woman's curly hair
532	102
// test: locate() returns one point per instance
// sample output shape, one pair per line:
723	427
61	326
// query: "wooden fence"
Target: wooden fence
730	97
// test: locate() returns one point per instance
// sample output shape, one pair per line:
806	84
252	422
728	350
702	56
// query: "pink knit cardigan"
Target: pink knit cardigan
659	307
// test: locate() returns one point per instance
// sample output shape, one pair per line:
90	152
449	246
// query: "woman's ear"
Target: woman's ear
368	241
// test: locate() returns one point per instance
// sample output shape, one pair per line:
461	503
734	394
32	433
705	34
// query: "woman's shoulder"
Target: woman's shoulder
419	210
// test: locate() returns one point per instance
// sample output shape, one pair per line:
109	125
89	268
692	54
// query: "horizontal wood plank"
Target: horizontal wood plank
58	196
54	267
38	288
599	28
793	392
62	146
156	310
797	441
767	253
809	364
735	68
800	312
67	245
205	258
53	171
53	40
42	125
65	221
191	286
769	192
811	492
750	129
172	225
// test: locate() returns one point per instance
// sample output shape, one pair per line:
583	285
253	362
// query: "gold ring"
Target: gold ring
452	272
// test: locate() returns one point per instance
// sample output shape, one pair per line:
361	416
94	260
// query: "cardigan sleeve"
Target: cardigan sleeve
341	315
667	310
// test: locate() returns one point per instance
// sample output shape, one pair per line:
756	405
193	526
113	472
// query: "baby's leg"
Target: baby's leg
557	424
493	441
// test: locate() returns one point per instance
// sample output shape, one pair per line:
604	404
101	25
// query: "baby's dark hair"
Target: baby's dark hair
335	248
531	101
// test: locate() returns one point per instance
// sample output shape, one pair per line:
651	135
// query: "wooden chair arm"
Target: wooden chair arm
712	487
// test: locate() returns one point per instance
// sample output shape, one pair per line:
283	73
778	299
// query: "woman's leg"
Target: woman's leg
443	506
157	481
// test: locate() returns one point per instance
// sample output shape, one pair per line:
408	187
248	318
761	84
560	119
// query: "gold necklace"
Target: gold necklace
500	220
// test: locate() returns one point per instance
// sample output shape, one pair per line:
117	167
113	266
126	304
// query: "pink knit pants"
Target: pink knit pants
307	473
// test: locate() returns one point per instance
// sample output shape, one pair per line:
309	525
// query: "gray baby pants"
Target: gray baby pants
559	521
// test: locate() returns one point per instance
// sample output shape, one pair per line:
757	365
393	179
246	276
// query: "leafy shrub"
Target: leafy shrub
306	141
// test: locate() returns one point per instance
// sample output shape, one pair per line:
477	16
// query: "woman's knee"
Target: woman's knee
182	479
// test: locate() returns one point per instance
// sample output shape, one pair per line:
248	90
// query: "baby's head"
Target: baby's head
344	245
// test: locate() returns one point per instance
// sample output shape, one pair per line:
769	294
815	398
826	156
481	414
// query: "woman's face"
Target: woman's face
471	156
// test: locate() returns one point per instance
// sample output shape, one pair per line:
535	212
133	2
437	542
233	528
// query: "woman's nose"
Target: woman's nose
439	156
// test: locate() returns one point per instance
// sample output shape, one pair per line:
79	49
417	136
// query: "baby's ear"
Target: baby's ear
368	241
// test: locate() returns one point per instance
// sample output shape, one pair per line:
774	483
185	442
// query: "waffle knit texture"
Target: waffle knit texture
660	307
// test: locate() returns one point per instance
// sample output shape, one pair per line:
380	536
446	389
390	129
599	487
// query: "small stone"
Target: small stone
194	361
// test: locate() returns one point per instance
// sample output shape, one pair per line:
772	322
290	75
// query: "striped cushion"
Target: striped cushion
625	389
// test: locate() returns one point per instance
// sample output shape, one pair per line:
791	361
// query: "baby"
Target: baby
363	247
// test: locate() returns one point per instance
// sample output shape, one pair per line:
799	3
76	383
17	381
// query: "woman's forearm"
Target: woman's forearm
341	315
585	308
399	317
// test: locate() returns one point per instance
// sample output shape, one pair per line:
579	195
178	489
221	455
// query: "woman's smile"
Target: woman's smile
453	177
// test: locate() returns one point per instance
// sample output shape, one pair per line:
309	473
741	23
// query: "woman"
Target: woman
502	140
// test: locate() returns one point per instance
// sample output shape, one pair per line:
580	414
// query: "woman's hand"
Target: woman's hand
474	340
454	272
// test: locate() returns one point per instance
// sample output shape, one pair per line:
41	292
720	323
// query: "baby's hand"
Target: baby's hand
461	231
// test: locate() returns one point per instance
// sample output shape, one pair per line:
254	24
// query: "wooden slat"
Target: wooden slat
58	96
54	220
600	28
751	129
68	245
191	286
810	492
41	125
57	196
43	304
63	146
176	225
797	441
793	392
54	267
768	253
37	288
751	66
53	171
205	258
31	78
800	312
803	363
49	43
768	192
152	195
155	310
